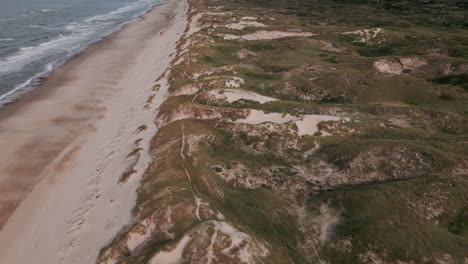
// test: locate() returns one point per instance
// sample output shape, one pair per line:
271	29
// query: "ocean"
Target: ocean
36	36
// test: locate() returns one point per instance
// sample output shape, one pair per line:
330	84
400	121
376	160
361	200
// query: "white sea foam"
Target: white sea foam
29	54
81	34
35	12
119	11
18	90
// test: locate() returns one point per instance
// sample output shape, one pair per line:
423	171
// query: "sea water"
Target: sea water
37	36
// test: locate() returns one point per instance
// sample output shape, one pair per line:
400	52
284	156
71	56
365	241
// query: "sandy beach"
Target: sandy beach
66	144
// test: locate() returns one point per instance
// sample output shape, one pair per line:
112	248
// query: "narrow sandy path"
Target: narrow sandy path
74	137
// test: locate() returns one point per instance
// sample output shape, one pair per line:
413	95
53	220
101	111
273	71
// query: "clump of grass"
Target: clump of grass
455	80
141	129
126	174
134	153
459	226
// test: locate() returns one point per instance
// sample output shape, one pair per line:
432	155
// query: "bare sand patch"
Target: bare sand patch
389	65
365	35
172	255
398	66
234	82
228	36
244	24
214	241
306	124
232	95
269	35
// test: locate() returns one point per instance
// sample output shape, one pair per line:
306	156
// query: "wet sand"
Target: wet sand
64	145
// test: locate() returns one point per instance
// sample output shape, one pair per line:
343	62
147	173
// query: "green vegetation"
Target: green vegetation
460	225
418	114
394	176
393	219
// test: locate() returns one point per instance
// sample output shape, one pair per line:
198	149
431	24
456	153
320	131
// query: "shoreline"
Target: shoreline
21	90
85	113
42	81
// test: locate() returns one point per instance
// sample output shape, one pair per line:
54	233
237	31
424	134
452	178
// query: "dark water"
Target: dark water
38	35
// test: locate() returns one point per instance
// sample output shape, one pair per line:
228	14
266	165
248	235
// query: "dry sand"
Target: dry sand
269	35
233	95
64	145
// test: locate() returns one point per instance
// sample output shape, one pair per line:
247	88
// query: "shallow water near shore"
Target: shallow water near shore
38	36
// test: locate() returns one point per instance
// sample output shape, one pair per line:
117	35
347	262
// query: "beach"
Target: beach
66	143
